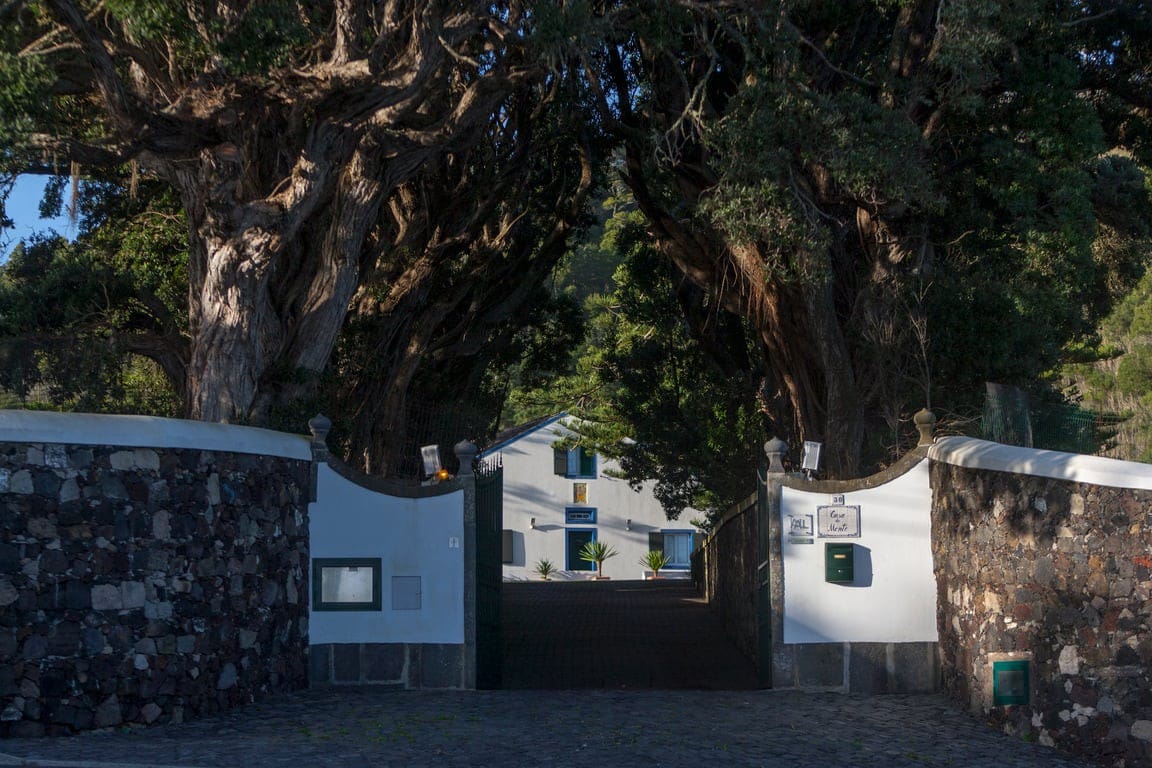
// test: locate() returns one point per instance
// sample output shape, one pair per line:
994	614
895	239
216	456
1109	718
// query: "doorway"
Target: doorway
575	539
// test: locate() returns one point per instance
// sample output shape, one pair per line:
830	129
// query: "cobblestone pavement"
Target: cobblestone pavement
568	729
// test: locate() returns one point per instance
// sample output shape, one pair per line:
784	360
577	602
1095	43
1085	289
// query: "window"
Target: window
576	462
580	515
677	545
346	584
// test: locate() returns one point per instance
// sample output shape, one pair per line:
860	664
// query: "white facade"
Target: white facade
892	597
549	515
419	546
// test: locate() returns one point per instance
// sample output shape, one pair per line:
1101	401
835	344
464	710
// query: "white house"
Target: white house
556	501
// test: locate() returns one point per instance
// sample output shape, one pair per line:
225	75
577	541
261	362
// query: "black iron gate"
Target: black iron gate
763	580
489	572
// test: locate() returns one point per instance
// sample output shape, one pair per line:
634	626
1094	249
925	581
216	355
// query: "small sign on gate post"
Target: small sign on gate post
800	529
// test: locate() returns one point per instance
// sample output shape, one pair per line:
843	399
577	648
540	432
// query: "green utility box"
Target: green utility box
1010	682
839	565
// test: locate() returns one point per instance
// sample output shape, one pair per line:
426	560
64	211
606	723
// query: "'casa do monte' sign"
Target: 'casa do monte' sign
838	521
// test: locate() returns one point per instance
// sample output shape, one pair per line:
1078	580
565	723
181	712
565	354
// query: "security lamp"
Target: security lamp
811	459
628	524
532	523
430	456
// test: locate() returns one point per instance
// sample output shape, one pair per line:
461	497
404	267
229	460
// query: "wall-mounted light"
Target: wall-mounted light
532	523
810	462
430	457
628	524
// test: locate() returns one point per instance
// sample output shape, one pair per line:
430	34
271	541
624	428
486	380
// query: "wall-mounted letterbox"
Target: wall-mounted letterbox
839	567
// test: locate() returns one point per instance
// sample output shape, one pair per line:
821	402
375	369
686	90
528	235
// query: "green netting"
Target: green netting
1073	429
1009	419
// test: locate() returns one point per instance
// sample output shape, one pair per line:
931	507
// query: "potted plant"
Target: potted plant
597	552
545	568
654	560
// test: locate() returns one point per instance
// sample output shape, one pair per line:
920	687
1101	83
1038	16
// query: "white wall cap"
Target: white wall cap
971	453
147	432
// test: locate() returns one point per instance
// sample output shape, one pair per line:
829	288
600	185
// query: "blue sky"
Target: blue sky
23	208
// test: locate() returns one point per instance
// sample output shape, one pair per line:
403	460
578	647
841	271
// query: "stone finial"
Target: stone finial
319	425
775	449
925	422
466	451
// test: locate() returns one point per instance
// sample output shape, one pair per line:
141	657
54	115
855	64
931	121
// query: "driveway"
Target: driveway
609	675
617	635
565	729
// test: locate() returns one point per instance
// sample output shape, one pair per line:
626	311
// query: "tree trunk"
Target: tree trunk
235	333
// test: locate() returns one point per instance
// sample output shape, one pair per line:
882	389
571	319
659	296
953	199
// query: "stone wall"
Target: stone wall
146	585
1059	573
725	570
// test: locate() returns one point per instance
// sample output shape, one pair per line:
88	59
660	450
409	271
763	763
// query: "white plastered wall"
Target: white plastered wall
412	537
532	490
147	432
972	453
893	598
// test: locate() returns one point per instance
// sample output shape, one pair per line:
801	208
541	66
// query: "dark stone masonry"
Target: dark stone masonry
143	586
1059	574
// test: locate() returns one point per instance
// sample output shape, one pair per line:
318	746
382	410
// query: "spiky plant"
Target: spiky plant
654	560
545	568
597	552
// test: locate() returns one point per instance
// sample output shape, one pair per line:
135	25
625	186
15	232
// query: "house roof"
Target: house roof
512	434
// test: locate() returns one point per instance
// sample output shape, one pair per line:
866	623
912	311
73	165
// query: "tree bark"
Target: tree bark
292	178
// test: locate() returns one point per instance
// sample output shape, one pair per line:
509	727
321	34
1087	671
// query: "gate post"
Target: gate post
775	661
466	453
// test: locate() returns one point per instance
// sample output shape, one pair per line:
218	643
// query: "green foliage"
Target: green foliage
1113	374
71	314
144	20
648	390
544	568
597	552
22	85
901	200
268	36
855	167
1036	261
654	560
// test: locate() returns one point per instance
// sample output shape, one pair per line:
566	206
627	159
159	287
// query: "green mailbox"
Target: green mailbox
839	563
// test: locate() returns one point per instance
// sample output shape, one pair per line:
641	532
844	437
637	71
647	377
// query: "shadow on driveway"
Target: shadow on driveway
617	635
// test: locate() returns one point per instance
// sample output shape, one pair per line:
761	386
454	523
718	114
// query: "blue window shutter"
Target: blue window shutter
587	462
560	461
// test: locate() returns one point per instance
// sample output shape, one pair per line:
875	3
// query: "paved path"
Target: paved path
617	635
565	729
